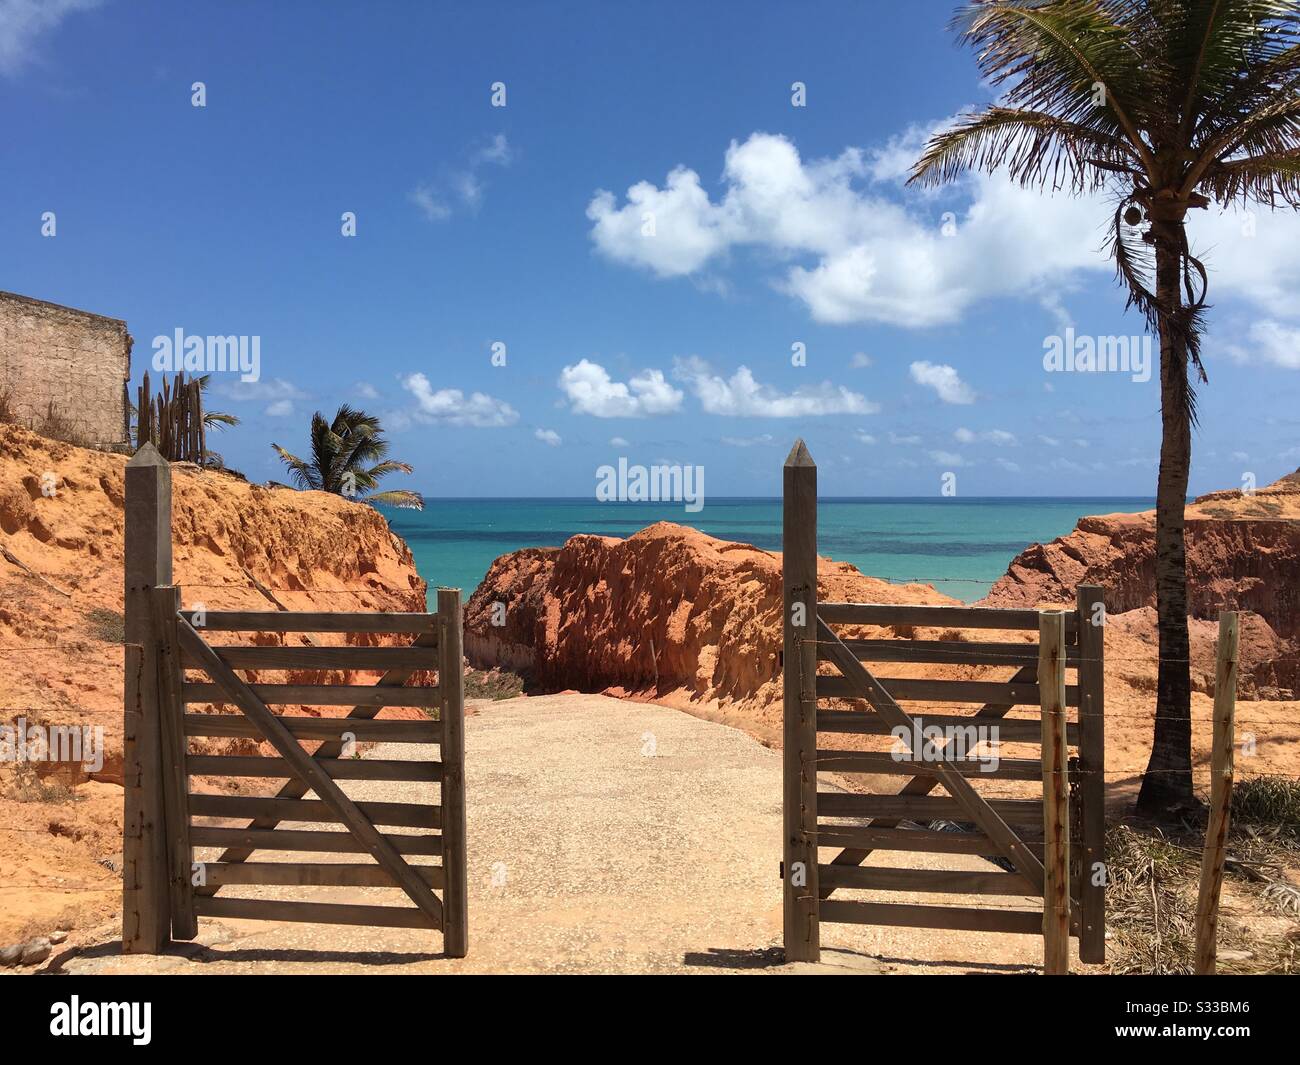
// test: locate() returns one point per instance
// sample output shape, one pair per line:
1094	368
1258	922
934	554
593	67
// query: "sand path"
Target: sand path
604	836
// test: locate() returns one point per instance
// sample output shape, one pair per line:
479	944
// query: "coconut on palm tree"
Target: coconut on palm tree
1169	105
347	458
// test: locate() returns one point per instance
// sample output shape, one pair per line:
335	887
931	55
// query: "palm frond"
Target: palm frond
215	419
305	474
398	498
383	469
1266	179
1035	148
1052	56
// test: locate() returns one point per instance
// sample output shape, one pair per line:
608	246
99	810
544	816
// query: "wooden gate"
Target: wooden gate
178	662
196	886
1026	838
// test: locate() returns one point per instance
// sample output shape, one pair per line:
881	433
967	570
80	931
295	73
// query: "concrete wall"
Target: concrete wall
71	361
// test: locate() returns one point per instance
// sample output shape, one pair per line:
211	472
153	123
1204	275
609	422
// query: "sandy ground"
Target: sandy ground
604	836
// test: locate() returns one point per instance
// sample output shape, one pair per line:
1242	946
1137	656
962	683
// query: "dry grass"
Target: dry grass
107	625
57	426
23	783
1272	803
493	684
1155	878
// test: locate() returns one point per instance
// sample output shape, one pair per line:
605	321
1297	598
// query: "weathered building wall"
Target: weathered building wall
63	370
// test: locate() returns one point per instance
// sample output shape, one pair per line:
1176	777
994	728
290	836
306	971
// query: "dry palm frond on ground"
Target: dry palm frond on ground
1155	877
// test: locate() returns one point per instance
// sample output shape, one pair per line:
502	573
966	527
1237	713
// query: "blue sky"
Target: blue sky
526	225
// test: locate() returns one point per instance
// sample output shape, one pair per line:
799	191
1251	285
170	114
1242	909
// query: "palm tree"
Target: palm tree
341	452
1169	105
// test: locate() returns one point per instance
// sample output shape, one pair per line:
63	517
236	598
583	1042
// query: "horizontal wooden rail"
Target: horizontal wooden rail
397	814
924	807
958	842
885	764
318	695
313	912
869	723
941	617
946	652
216	765
317	728
323	874
908	689
289	839
902	839
305	658
931	881
954	918
302	621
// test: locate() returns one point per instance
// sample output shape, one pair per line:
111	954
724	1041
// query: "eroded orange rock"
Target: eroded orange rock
1243	553
669	613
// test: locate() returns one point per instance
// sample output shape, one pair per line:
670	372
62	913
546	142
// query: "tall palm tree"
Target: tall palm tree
341	454
1170	105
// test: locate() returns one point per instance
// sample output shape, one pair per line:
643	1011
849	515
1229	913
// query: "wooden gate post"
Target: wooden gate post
146	916
1091	625
1216	830
1056	795
451	711
799	766
175	778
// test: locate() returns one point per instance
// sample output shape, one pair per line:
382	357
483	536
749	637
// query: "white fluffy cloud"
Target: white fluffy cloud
548	436
590	390
450	406
740	395
874	259
858	250
22	22
945	381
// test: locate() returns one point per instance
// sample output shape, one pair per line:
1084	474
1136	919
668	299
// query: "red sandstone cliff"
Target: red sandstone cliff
1243	553
61	642
668	613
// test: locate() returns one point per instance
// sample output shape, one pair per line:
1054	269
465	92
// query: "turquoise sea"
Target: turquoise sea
961	546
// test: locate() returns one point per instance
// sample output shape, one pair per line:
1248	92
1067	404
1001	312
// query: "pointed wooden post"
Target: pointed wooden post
1216	829
146	914
1091	626
451	711
799	766
1056	794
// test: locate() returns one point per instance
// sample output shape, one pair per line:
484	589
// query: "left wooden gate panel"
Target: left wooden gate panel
182	647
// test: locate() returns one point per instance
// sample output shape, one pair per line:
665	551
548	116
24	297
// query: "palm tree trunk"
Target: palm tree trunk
1167	784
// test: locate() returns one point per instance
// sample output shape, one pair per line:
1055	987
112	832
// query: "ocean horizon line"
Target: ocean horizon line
943	500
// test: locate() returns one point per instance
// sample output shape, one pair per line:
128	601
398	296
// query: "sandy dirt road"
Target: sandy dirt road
604	836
